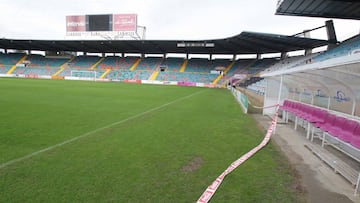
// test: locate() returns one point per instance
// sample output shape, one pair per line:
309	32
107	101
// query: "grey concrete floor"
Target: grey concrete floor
318	181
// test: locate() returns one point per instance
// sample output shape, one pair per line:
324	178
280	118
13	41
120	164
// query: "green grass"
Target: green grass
138	160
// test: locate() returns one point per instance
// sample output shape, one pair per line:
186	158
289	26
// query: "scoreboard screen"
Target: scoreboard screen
98	23
102	23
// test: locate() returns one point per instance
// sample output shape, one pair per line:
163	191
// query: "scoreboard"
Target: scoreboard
101	23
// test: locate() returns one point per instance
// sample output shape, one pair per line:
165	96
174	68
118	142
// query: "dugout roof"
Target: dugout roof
244	43
344	9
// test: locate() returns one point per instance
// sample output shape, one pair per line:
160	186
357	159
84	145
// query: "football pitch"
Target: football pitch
75	141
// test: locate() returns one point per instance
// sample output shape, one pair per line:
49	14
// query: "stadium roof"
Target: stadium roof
244	43
344	9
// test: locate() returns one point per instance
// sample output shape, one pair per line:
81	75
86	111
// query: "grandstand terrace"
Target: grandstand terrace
172	64
40	61
195	70
116	62
9	60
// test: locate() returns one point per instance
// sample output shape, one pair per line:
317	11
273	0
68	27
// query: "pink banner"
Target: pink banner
186	83
209	85
75	24
125	22
133	81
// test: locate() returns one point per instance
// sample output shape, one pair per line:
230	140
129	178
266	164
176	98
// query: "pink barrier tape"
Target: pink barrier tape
211	189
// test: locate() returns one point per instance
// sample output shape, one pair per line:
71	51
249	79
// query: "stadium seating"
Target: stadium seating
39	61
120	75
172	64
149	63
261	65
200	65
326	124
4	68
290	62
115	62
35	71
40	65
240	65
346	48
258	87
349	47
346	131
187	77
333	127
83	62
143	70
10	59
250	81
238	69
85	74
355	137
337	127
197	70
142	75
80	63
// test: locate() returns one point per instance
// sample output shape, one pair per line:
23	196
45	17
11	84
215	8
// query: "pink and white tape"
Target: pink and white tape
211	189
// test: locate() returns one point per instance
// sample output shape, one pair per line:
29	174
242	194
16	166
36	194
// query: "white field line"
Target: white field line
95	131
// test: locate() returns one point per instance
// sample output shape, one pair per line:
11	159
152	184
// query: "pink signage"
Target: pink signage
124	22
75	24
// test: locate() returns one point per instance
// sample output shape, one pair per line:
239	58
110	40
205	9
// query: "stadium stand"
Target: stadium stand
83	62
237	69
250	81
172	64
348	47
200	65
258	87
119	68
115	63
41	61
187	77
290	62
261	65
142	75
149	63
8	60
80	63
197	70
34	71
239	66
40	65
121	75
145	68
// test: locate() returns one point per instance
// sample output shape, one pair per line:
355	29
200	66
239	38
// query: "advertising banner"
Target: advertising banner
186	84
124	22
133	81
75	24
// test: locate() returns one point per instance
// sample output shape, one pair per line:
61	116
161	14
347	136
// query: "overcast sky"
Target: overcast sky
163	19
